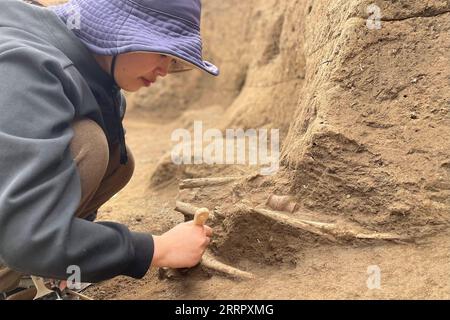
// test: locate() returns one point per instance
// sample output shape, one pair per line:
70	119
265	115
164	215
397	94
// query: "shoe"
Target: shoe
17	286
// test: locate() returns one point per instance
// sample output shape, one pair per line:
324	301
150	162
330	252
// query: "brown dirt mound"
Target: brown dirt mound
371	107
364	120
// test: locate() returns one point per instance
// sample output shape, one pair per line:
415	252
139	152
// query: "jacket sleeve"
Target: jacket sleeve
40	187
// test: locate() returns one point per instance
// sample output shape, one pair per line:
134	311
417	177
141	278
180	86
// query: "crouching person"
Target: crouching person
62	144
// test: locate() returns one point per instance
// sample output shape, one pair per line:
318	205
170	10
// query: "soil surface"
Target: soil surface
419	270
364	120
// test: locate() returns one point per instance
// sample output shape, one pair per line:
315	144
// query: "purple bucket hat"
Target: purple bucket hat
113	27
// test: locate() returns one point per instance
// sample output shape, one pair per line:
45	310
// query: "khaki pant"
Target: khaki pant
99	168
101	177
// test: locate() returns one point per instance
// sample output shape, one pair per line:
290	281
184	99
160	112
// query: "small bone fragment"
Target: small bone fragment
205	182
213	264
330	231
186	209
282	203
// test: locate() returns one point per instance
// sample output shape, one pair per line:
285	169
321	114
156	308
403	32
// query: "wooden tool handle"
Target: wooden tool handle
200	217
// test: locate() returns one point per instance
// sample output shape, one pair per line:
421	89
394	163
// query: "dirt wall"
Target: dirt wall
363	113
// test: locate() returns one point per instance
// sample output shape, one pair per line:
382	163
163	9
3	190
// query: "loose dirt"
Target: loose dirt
286	266
364	120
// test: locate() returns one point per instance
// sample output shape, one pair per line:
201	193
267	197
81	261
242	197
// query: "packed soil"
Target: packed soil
285	268
364	120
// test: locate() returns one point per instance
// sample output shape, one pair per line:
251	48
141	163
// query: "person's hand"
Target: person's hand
181	247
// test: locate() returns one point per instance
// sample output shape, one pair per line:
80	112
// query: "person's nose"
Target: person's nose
163	71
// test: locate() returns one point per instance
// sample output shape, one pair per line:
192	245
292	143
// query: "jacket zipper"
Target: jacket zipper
122	145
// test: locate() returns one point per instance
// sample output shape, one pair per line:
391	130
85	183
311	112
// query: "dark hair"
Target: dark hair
36	3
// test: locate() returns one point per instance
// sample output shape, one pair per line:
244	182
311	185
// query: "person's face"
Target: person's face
140	69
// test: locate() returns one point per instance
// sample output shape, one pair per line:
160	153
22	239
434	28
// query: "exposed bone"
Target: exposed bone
79	295
343	231
330	231
215	265
282	203
296	223
379	236
207	262
189	211
205	182
186	209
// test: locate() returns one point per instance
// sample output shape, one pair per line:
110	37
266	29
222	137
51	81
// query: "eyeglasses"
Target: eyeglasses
177	65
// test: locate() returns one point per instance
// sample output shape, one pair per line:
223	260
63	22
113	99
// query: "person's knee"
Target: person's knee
90	152
89	142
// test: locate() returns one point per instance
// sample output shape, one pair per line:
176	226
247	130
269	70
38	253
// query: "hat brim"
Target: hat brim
109	29
178	65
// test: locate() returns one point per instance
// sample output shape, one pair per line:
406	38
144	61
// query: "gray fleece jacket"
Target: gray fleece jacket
47	79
